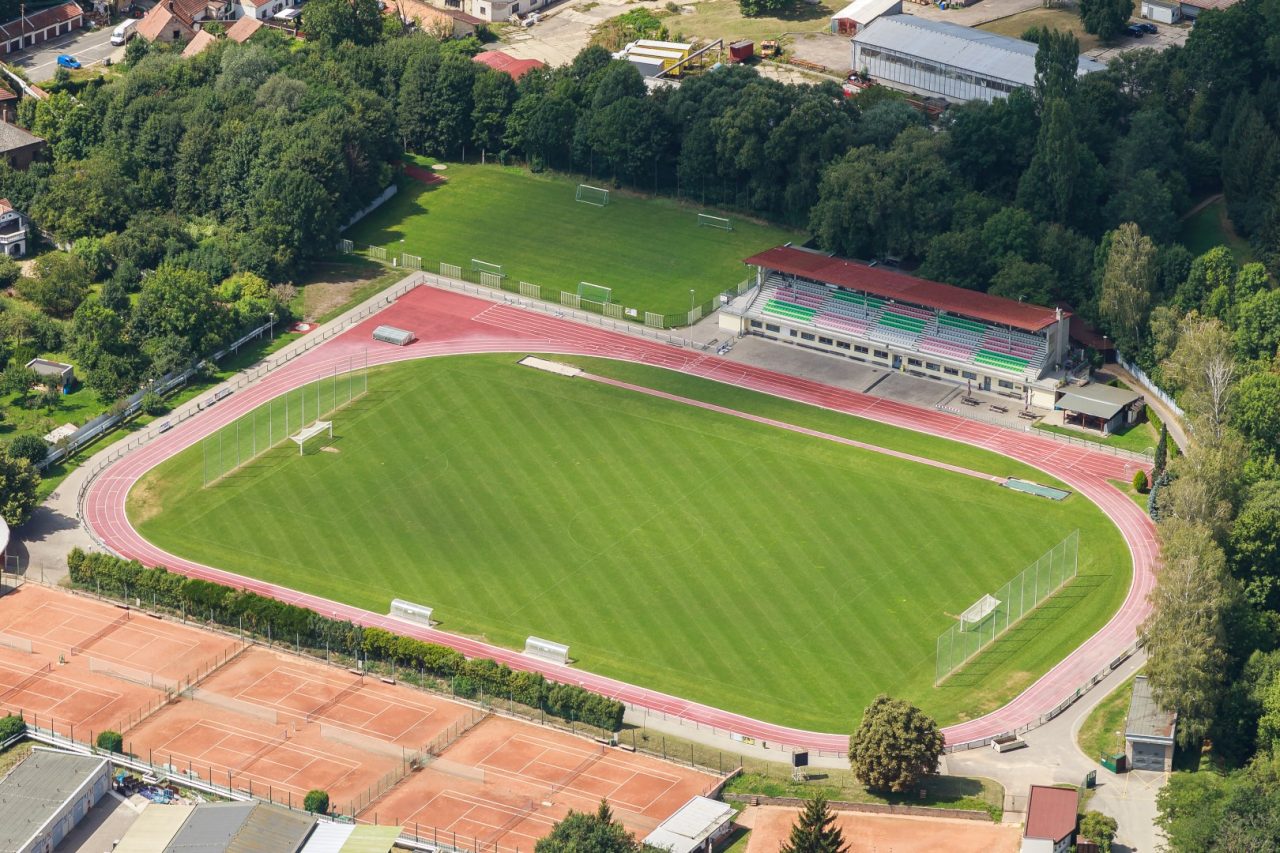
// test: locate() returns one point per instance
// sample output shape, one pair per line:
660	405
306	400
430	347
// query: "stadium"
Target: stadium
691	413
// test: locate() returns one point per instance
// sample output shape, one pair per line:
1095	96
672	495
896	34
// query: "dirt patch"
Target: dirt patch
144	500
324	296
427	176
329	449
865	833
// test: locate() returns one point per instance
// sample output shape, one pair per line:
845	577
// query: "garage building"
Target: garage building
45	796
1148	734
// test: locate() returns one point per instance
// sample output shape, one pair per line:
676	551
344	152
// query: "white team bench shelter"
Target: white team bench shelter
392	335
536	647
417	613
698	825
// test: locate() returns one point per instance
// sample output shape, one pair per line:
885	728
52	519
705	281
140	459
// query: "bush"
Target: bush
110	741
316	801
32	448
1099	829
153	404
1140	481
11	726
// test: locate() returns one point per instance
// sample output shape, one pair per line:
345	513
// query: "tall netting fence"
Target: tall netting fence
252	435
994	614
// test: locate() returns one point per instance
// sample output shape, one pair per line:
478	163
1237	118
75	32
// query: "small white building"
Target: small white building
1162	11
45	796
858	14
697	826
1193	8
1149	730
14	230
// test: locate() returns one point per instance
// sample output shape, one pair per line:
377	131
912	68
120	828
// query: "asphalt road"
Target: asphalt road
91	47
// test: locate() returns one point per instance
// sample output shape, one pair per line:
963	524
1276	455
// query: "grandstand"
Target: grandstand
890	319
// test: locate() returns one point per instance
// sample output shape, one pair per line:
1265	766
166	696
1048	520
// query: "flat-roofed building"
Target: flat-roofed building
46	795
1149	731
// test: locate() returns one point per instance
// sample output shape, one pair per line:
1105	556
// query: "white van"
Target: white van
124	32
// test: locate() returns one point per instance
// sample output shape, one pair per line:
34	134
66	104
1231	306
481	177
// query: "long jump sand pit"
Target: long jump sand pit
505	783
282	759
361	708
875	833
128	642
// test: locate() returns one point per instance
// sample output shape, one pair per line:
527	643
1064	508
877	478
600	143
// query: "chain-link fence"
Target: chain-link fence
974	631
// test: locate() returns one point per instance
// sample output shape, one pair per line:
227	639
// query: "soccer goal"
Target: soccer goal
478	265
592	195
594	292
978	612
308	432
721	222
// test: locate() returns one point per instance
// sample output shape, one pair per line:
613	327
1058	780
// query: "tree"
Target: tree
896	745
1023	281
1139	481
12	725
581	832
1254	544
316	801
1155	500
1204	367
1255	412
1099	828
176	318
1208	484
109	360
492	95
18	482
61	284
111	741
1105	19
32	448
1258	325
1162	453
1061	182
1127	284
331	22
757	8
1185	634
1057	64
815	831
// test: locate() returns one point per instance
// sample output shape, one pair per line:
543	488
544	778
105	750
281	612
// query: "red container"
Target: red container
741	51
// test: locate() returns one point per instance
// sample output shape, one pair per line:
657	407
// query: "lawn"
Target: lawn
1209	227
1066	19
649	250
713	19
728	562
1140	438
1102	732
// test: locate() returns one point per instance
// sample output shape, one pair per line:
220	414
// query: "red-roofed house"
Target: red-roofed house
1051	819
199	44
499	61
243	29
40	26
173	21
441	23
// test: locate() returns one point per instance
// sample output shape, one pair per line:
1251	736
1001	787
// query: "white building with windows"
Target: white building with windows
494	10
936	58
13	230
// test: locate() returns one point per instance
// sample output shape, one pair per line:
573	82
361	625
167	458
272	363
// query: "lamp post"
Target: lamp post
691	301
272	317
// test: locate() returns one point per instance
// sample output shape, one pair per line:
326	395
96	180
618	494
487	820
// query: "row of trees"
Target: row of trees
279	621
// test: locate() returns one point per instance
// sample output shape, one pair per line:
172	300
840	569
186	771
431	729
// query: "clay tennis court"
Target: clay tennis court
282	759
68	697
504	784
128	641
298	690
866	833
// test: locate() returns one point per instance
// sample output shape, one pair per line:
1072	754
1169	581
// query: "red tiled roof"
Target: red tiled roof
202	42
5	205
241	30
499	61
888	284
41	20
1051	812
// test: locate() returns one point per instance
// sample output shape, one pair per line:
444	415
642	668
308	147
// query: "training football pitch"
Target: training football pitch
650	251
763	571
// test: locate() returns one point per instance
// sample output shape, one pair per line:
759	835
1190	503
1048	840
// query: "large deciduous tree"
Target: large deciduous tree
1105	19
18	482
1203	365
1127	284
580	832
1185	633
895	747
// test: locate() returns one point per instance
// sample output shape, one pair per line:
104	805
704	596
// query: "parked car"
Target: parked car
1134	31
1148	27
66	60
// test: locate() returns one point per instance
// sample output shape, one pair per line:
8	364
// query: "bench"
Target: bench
970	401
1004	410
221	394
1030	416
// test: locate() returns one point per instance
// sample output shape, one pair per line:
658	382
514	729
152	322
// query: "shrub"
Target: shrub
11	725
110	741
316	801
33	448
153	404
1100	829
1140	481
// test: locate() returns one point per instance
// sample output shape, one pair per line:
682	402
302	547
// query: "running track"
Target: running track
448	323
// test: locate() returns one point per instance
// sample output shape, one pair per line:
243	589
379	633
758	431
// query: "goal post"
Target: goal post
595	292
308	432
480	266
721	222
597	196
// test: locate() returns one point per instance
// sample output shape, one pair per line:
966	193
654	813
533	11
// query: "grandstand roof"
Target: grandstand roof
888	284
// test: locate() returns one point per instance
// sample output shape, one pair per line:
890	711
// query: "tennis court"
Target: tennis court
504	784
128	641
68	697
298	690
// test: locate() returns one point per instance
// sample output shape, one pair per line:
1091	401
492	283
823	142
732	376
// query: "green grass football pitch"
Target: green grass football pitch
728	562
650	251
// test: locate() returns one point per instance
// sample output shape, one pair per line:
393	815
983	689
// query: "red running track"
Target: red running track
451	324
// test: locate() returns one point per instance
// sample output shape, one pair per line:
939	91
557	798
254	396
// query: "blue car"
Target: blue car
66	60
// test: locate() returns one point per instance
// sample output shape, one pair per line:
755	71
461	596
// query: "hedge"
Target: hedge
235	608
11	725
110	741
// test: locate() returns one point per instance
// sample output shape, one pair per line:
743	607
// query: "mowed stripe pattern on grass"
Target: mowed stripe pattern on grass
763	571
650	251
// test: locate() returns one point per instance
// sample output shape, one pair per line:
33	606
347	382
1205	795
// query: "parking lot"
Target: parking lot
91	47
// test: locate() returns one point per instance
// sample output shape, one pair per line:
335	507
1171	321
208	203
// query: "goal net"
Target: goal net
721	222
308	432
978	611
594	292
592	195
480	266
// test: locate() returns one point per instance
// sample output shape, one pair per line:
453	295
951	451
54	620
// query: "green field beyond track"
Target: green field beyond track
770	573
651	251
